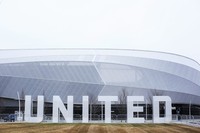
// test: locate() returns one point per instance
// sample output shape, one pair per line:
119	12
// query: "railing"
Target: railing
120	118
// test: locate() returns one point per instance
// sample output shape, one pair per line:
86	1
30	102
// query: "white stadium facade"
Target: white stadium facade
96	72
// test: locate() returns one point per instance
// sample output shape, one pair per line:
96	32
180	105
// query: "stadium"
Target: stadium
96	72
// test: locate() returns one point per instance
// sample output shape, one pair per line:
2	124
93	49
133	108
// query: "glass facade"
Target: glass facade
94	73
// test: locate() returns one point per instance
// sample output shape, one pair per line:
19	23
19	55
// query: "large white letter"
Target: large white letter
131	109
156	109
85	109
28	109
58	107
107	100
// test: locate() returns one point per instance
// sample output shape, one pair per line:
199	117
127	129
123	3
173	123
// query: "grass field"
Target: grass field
97	128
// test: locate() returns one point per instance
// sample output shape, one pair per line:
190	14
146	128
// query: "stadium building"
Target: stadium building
96	72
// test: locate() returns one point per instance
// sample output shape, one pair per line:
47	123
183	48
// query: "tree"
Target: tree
45	102
93	102
154	92
122	95
22	99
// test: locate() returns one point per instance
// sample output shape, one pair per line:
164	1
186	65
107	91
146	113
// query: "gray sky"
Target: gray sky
160	25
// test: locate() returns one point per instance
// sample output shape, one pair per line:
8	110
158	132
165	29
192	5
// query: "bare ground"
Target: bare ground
96	128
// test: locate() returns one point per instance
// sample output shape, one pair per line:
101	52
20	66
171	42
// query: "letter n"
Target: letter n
58	107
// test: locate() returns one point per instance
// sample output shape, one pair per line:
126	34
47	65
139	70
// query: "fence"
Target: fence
99	117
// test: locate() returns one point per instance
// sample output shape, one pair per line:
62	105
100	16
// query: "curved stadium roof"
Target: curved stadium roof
104	71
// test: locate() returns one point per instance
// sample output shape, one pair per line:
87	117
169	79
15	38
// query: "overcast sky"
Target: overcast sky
160	25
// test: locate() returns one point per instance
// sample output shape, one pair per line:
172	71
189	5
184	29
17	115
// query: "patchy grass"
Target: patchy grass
96	128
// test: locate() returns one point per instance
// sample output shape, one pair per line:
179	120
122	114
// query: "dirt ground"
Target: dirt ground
96	128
